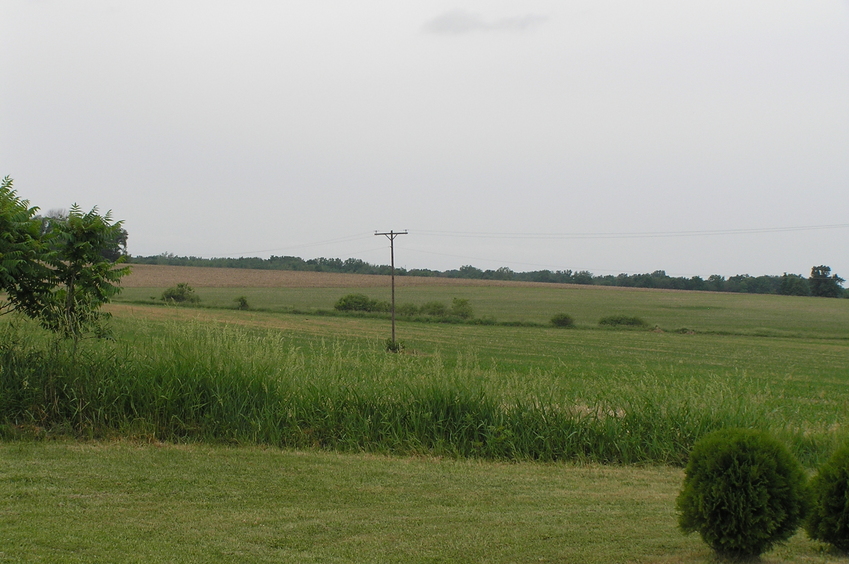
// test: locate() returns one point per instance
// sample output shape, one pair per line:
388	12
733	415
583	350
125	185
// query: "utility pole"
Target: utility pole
391	236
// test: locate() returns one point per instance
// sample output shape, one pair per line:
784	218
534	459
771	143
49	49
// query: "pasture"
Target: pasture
527	411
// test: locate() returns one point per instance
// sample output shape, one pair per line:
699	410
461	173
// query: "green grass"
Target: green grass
494	392
123	502
486	399
705	312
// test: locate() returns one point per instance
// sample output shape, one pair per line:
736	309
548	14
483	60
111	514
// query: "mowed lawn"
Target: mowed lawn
121	502
136	502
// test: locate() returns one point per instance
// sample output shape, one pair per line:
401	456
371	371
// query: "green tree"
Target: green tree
794	285
56	273
82	278
823	285
114	250
24	277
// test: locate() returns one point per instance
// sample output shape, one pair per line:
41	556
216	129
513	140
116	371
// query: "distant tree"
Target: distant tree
823	285
469	271
794	285
716	283
582	277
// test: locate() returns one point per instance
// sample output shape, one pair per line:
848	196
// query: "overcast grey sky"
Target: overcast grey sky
534	134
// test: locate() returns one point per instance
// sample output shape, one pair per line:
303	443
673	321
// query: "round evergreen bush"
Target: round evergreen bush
562	320
829	517
743	492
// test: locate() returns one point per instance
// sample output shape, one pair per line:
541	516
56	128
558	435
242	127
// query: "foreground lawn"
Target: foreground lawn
124	502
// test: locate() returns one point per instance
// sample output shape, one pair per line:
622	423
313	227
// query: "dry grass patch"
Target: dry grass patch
161	276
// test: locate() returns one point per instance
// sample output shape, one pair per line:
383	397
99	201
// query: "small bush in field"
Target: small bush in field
829	518
408	310
394	346
743	492
180	293
242	303
355	302
562	320
436	309
622	321
460	307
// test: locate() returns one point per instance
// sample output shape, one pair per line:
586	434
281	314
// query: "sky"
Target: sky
698	137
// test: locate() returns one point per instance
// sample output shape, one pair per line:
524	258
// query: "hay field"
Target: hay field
162	276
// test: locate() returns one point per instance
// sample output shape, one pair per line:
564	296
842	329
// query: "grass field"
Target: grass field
475	395
123	502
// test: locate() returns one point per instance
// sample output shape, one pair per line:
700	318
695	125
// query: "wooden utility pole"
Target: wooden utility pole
391	236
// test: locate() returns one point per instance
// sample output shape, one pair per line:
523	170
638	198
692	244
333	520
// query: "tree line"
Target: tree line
821	281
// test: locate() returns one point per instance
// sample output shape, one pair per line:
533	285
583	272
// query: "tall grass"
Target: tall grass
201	382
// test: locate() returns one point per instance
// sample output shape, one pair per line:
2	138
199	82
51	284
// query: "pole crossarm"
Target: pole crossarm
391	236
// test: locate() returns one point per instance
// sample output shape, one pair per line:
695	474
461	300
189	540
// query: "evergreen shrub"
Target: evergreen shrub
743	492
829	517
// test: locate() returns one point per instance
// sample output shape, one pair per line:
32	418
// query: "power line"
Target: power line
344	239
632	235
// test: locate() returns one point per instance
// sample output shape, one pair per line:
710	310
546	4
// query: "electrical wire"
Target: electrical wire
629	235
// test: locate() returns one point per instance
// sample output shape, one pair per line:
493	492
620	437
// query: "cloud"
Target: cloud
460	21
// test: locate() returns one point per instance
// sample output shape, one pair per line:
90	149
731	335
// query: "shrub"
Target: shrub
394	346
180	293
743	492
242	303
436	309
622	321
408	310
355	302
562	320
829	517
460	307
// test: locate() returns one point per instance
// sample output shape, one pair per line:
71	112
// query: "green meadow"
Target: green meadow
712	312
399	455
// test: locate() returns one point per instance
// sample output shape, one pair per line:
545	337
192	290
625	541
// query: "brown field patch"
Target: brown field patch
161	276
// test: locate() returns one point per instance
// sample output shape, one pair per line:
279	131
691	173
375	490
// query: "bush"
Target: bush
242	303
436	309
394	346
408	310
829	517
743	492
622	321
355	302
461	308
180	293
562	320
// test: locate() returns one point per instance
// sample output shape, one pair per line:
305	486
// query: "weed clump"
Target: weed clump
743	492
563	320
181	293
622	321
394	346
829	517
